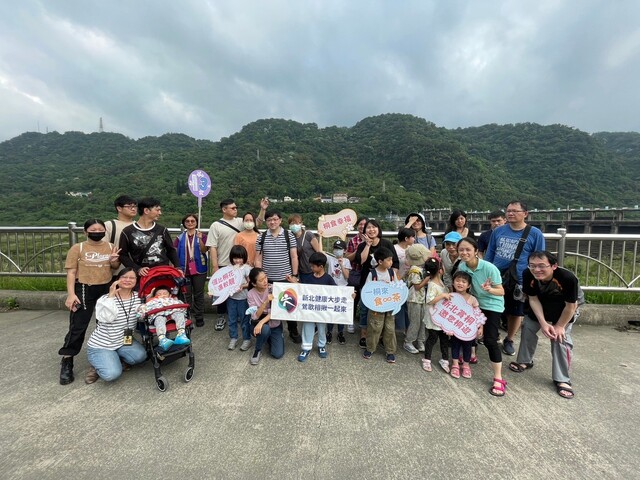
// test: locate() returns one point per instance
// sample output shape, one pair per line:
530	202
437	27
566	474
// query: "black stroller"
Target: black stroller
174	280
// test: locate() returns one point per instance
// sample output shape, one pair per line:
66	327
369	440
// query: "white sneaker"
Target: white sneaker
232	344
351	329
410	348
245	345
444	364
420	346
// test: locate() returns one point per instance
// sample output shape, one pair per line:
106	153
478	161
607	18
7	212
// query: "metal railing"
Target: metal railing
606	263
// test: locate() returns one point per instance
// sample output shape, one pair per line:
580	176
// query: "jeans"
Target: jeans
236	311
340	327
308	332
402	318
275	336
107	362
364	313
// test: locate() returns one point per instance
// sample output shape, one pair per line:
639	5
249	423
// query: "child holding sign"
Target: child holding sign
237	303
436	291
318	276
462	284
381	322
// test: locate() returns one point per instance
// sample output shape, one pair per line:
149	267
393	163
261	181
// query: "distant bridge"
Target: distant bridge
584	220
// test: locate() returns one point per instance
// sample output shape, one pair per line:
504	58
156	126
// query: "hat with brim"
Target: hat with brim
417	254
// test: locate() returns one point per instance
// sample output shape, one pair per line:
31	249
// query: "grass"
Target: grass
46	284
58	284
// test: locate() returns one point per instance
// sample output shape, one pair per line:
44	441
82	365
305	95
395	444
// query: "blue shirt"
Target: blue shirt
502	248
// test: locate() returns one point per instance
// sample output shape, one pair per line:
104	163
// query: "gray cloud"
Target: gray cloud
208	68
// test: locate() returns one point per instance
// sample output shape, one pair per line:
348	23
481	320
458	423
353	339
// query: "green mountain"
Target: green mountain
393	163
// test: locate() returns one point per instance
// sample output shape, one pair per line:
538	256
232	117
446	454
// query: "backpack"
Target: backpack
374	275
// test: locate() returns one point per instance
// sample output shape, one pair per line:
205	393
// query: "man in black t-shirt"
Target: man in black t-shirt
553	293
145	244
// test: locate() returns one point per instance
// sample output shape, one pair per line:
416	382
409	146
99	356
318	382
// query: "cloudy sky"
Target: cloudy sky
206	68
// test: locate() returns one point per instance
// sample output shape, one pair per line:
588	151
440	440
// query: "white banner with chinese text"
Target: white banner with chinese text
312	303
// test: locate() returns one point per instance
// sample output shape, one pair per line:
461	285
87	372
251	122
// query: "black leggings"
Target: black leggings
433	337
491	335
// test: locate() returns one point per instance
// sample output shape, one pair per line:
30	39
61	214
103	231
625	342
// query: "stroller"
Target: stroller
174	280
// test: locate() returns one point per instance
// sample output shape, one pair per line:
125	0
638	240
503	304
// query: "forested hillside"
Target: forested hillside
393	163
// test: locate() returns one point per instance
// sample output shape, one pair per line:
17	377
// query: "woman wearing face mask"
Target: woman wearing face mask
192	252
88	266
307	244
248	236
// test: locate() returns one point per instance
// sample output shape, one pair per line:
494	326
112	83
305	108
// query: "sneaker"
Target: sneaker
341	339
181	339
391	358
367	355
410	348
304	354
199	322
444	364
165	343
295	338
363	343
245	345
507	347
426	365
322	351
220	323
351	329
329	338
232	344
420	346
255	358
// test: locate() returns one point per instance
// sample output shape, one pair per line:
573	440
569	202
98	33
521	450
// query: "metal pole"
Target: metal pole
561	245
73	236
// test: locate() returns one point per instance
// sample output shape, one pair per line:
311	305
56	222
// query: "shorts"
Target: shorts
513	307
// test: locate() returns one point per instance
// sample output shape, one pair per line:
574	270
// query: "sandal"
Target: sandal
565	391
426	365
455	371
466	371
498	391
520	367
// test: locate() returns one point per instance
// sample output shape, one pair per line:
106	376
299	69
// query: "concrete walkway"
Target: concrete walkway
342	417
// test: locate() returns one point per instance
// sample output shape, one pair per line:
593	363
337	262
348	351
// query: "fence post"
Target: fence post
561	245
73	236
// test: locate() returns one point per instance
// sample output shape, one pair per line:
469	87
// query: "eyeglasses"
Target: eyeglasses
540	266
515	211
130	206
232	208
190	221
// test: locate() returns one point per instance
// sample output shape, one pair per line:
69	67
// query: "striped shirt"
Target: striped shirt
113	316
276	259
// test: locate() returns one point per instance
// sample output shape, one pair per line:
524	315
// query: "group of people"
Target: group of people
498	272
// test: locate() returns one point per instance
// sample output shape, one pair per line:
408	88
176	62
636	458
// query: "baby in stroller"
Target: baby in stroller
160	298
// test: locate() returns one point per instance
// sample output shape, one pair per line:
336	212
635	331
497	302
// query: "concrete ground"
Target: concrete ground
343	417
